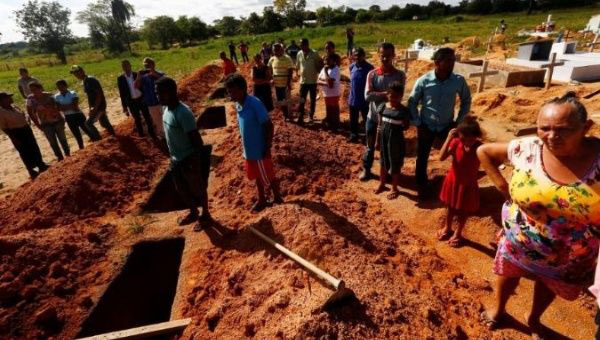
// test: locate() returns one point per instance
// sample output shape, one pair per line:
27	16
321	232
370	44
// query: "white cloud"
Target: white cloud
208	11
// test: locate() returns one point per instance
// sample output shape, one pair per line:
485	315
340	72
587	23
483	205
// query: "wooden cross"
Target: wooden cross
550	68
484	73
593	44
566	36
406	60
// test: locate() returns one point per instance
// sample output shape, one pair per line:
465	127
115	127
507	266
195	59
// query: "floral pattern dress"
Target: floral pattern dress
550	229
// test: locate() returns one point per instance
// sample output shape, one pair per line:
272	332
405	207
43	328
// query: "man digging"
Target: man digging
185	147
256	130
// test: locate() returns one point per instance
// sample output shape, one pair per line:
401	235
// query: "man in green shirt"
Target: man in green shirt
186	148
308	66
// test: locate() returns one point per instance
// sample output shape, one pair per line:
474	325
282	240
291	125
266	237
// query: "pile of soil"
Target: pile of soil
104	177
194	88
48	278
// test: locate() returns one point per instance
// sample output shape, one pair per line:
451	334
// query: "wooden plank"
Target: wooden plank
591	94
144	331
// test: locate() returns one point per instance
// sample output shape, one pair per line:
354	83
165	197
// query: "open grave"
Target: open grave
504	77
142	294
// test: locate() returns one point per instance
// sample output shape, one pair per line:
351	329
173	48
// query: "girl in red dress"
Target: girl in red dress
460	191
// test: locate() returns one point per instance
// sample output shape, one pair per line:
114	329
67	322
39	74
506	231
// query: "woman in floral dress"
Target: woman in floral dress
552	215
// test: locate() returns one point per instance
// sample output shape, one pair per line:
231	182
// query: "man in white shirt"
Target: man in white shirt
131	100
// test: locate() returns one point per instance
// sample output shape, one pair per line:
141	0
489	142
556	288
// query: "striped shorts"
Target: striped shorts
260	169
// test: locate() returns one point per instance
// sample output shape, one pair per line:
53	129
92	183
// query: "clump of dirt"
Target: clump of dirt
44	276
106	176
193	89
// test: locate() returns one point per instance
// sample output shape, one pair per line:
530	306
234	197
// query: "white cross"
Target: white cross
550	68
406	60
484	73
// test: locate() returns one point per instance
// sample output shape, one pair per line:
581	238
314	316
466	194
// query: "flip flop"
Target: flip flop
393	195
490	323
442	236
259	206
456	243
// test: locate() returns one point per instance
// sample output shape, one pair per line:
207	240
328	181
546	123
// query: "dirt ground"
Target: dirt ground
66	236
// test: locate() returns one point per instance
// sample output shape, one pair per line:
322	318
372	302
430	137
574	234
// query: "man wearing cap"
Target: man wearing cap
96	101
132	100
14	123
145	82
23	82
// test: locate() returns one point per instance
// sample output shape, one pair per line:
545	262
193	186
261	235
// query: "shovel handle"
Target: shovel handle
335	283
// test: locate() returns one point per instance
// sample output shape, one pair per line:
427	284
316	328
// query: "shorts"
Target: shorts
261	170
504	267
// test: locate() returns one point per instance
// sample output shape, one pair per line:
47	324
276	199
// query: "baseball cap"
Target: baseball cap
76	68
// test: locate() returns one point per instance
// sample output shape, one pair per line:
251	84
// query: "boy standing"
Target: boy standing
394	119
256	130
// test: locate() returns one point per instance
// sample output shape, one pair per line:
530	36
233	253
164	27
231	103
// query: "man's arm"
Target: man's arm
34	118
370	94
465	101
413	102
21	91
195	139
98	99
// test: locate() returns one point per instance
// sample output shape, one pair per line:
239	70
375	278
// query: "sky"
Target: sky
207	10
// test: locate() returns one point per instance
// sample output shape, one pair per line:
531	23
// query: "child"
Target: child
329	80
256	130
228	65
394	119
460	191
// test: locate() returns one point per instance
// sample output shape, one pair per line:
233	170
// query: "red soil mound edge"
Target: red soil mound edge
53	245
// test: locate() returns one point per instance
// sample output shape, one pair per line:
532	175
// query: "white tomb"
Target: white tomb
579	66
593	25
422	50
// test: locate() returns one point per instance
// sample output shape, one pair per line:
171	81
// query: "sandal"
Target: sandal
443	235
490	323
259	206
393	195
187	219
456	242
380	189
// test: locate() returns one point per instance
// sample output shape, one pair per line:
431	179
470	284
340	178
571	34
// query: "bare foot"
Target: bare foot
455	241
443	234
536	328
380	189
491	319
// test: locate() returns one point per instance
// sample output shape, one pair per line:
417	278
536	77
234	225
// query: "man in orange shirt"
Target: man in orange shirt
228	65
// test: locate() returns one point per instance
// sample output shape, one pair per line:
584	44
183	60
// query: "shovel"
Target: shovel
341	292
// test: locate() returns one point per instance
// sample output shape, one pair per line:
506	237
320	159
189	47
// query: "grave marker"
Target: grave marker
593	44
406	60
484	73
550	68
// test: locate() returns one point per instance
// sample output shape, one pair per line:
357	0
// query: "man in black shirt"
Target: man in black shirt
232	54
96	101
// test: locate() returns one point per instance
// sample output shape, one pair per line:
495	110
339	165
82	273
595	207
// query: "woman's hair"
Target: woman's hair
469	127
571	98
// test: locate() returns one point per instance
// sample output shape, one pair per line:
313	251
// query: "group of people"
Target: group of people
550	221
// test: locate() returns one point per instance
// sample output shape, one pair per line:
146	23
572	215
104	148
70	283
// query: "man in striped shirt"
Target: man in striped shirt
282	69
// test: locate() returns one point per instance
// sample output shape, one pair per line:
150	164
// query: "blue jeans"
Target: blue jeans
371	131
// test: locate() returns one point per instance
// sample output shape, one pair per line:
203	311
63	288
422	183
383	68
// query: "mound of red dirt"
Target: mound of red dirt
194	88
104	177
45	278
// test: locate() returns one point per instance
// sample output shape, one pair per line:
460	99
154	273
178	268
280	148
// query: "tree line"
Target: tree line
45	24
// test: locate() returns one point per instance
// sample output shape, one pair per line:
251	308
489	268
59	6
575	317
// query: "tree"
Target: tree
325	16
184	29
122	12
363	16
198	29
253	24
479	6
105	30
227	26
45	25
293	10
160	30
272	22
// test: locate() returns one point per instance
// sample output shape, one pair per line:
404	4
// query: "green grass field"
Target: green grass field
178	62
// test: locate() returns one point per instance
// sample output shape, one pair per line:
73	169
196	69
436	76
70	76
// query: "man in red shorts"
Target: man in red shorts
256	130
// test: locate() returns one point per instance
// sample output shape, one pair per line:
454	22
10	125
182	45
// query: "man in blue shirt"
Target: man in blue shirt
185	147
356	101
256	130
145	82
436	92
